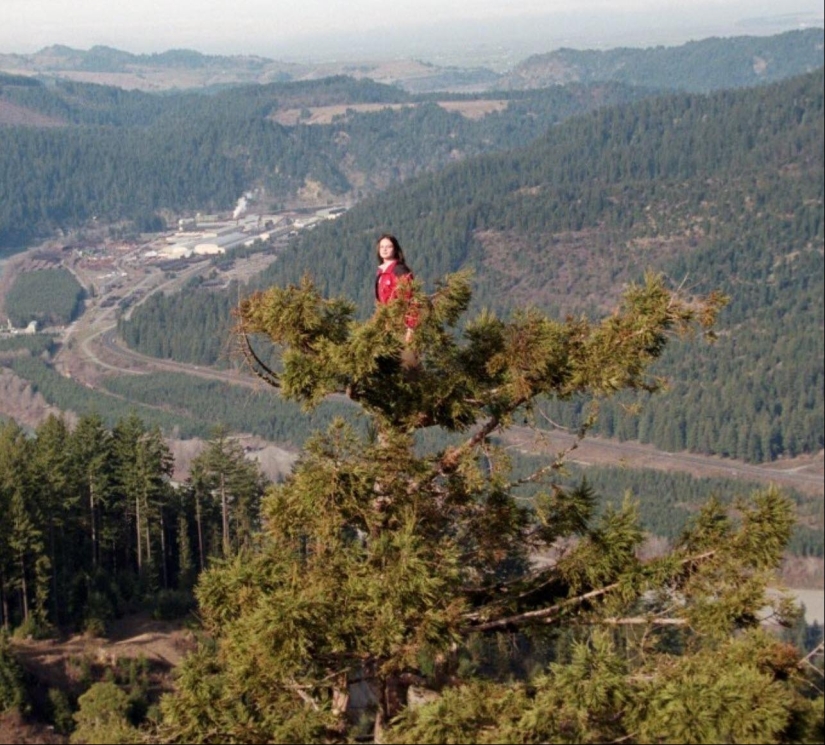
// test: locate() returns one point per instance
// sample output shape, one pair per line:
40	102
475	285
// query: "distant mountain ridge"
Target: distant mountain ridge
172	69
182	69
108	59
702	65
699	66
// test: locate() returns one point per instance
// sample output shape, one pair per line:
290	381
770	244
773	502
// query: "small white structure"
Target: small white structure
177	251
183	237
29	330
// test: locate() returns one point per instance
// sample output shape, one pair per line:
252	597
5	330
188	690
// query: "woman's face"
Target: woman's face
386	250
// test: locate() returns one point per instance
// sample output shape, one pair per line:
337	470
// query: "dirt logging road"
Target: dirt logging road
803	474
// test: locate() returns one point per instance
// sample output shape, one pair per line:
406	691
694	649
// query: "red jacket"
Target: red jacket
388	283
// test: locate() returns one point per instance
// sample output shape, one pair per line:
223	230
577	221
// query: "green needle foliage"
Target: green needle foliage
382	573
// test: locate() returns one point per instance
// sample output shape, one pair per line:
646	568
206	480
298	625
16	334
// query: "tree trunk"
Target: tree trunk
200	530
137	533
148	544
24	589
390	704
53	554
163	551
4	600
224	516
92	521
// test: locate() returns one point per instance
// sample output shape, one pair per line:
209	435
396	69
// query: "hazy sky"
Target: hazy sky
267	27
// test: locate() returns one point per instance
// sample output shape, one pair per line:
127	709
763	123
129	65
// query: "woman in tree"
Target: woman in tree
393	277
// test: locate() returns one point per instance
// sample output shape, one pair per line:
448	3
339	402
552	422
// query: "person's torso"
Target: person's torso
386	281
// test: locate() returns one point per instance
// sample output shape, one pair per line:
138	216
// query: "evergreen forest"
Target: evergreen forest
93	526
114	155
700	66
395	594
718	191
99	152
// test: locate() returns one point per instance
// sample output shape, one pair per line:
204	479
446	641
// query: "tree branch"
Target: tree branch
303	695
256	365
542	615
450	459
642	620
806	660
556	465
548	615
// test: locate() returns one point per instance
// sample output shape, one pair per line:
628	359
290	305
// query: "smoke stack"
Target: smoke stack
240	208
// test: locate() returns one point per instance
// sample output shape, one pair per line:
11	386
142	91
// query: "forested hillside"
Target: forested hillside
722	191
120	156
75	151
418	577
700	66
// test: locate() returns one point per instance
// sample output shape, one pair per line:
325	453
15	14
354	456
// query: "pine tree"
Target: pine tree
223	474
92	459
144	463
24	564
57	498
382	570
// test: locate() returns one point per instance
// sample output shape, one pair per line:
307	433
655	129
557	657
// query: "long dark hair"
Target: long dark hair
398	254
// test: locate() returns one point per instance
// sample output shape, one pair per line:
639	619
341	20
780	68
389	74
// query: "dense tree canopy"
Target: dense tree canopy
701	65
128	156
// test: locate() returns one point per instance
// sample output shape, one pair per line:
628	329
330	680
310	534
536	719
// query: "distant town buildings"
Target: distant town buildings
209	235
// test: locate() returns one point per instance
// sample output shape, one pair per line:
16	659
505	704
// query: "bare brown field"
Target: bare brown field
326	114
474	109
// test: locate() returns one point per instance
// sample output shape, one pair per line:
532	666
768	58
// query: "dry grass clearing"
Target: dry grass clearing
12	115
474	109
572	270
326	114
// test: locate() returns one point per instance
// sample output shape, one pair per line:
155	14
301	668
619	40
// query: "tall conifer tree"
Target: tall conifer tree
381	567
